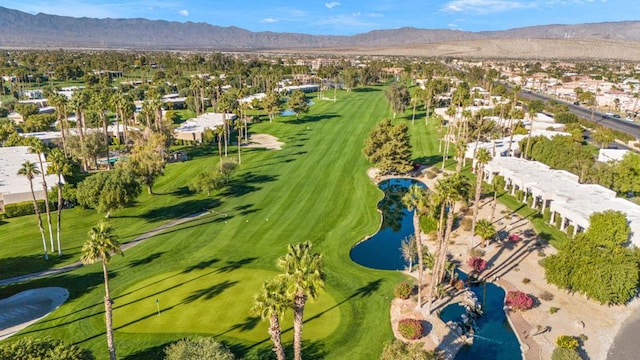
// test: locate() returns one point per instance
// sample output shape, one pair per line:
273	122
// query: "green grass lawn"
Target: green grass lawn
205	272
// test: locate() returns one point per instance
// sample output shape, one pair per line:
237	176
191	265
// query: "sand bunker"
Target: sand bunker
27	307
264	141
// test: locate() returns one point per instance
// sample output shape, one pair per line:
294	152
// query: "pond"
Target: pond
494	338
382	250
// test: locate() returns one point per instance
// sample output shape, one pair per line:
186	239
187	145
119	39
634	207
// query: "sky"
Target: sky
346	17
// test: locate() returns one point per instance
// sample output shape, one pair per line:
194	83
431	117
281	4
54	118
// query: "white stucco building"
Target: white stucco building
561	192
15	188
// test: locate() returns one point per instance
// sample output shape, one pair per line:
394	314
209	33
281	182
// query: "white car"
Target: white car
629	119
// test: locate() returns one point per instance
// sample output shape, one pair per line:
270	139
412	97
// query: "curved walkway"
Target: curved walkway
78	264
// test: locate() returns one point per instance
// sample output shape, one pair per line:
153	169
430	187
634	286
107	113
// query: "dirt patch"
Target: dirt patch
264	141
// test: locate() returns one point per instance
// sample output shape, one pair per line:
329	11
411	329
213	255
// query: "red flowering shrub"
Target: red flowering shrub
410	329
519	300
478	264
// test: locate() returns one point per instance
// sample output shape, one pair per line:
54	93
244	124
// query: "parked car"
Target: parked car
617	116
629	119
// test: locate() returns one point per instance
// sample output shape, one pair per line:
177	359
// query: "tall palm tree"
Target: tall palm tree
304	276
101	244
59	165
271	303
414	200
408	249
449	191
29	170
482	158
40	148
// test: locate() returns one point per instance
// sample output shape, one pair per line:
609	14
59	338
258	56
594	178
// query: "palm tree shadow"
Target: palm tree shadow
235	265
210	292
200	266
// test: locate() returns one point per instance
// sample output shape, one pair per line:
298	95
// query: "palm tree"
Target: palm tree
271	303
449	191
408	249
486	230
498	184
415	200
29	170
40	148
482	158
59	165
101	244
304	278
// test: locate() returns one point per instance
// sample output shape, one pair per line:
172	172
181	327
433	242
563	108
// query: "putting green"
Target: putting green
190	302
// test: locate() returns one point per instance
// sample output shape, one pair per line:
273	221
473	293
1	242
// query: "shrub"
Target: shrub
558	221
570	231
477	264
567	342
583	337
410	329
476	252
466	223
403	290
546	215
397	349
526	280
519	300
431	175
43	349
199	348
546	296
553	310
22	208
530	201
565	354
519	195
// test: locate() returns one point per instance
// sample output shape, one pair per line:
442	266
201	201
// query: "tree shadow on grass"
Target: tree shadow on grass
307	119
365	89
154	352
235	265
209	292
311	350
200	266
21	265
246	184
146	260
180	209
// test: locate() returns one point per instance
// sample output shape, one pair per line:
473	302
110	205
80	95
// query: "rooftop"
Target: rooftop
11	160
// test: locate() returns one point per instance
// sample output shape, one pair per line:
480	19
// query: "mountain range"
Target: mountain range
23	30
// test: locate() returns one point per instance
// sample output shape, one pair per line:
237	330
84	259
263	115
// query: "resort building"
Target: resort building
560	191
193	129
15	188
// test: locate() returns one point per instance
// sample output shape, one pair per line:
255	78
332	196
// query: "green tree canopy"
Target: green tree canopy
107	191
43	349
389	149
596	263
198	348
298	103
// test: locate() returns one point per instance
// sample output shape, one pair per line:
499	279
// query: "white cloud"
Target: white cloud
356	14
331	5
374	15
345	20
184	12
485	6
268	20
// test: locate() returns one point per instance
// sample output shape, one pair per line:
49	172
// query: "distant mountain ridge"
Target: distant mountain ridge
24	30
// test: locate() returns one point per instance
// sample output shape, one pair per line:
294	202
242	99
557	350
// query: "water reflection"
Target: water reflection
382	250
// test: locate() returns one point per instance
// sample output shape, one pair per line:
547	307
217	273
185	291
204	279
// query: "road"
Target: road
616	124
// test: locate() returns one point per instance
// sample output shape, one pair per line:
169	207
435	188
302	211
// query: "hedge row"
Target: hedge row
22	208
